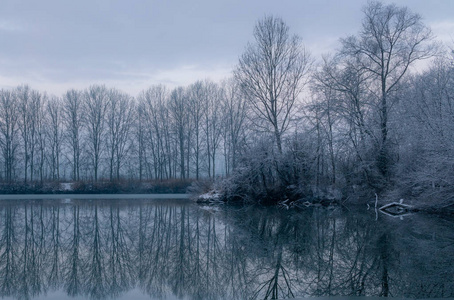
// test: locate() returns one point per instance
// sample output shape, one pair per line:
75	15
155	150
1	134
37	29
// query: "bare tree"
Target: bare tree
148	132
152	107
341	93
96	101
349	80
166	128
427	133
9	132
212	127
23	95
74	121
271	73
234	116
180	116
391	40
140	131
30	102
30	105
119	118
55	134
197	111
40	105
324	119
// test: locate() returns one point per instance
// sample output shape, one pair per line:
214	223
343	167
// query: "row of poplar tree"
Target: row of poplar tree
105	134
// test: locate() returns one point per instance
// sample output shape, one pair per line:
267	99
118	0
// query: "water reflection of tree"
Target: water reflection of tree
352	255
119	263
275	280
30	279
54	248
8	252
101	250
95	283
154	246
72	269
355	246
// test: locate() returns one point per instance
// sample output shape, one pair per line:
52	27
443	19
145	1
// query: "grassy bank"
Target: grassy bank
173	186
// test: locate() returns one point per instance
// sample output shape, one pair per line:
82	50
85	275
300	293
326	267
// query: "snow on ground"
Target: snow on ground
66	186
211	196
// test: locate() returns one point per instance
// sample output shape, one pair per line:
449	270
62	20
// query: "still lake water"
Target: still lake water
175	249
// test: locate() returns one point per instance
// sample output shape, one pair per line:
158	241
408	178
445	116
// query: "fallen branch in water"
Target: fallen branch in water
396	209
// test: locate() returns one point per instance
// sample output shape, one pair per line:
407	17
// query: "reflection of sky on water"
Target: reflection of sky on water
134	294
146	249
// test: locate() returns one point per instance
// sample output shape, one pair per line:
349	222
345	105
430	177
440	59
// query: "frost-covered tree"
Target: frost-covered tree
390	41
271	72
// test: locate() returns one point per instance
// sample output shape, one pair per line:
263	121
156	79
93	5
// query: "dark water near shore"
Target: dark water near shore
150	249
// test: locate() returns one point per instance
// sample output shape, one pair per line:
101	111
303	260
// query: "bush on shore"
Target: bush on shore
101	187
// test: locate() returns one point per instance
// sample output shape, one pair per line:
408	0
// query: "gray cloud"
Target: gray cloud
136	43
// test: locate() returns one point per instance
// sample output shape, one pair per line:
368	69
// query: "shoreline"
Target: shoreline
91	196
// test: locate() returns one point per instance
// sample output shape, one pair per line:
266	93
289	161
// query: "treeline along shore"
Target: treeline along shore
376	117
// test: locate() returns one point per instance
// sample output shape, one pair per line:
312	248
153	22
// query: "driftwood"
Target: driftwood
396	209
209	197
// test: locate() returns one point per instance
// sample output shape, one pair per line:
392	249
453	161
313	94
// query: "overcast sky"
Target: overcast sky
57	44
